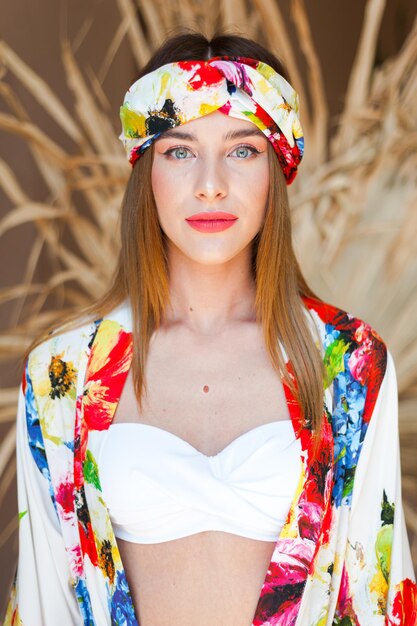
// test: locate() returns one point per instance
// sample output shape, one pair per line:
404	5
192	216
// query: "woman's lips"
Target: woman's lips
211	226
211	222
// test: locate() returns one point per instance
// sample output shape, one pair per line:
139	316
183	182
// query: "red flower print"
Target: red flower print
404	605
204	74
109	363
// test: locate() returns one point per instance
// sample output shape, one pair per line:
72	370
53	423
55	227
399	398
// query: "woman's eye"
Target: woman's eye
245	148
172	151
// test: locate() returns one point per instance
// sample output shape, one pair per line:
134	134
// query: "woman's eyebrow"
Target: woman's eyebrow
232	134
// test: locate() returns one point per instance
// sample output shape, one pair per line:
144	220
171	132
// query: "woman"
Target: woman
252	476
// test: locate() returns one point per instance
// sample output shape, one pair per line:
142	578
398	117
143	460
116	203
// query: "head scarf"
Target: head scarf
244	88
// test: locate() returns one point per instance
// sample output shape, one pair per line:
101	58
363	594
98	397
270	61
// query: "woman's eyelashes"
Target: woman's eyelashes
170	152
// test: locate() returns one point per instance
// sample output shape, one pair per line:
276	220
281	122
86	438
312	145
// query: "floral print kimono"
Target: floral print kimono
342	556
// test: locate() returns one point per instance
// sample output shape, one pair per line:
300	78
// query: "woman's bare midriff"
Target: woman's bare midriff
211	578
208	392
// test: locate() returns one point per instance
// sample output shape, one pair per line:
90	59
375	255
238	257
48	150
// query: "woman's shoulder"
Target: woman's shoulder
66	346
343	321
55	361
348	340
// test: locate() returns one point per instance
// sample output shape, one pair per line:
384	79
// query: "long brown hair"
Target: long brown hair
142	275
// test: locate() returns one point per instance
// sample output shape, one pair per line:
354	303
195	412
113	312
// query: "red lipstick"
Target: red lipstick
211	221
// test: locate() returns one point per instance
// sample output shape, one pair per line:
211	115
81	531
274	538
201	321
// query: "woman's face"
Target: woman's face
204	166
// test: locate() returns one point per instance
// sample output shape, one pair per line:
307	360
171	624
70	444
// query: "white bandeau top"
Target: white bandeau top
158	487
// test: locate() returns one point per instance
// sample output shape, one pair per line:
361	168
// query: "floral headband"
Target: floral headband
241	87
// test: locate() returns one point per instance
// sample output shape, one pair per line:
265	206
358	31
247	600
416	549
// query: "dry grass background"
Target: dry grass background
354	202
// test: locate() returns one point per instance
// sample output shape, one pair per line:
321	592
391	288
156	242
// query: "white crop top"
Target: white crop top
158	487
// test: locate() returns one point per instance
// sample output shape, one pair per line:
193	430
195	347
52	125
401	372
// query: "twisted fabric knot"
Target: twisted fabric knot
244	88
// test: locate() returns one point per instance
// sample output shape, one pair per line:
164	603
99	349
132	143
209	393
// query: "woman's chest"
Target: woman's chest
208	393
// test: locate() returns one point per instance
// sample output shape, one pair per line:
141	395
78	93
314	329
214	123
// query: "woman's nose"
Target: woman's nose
211	180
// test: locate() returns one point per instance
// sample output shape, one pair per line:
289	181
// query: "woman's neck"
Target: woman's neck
206	299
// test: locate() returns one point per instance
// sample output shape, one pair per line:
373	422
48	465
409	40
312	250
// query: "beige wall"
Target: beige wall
33	30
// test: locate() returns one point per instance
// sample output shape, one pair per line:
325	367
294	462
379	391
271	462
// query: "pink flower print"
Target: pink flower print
360	362
235	73
64	496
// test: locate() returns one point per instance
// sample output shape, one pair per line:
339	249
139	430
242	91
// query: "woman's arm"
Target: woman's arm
378	584
41	593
